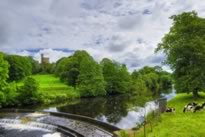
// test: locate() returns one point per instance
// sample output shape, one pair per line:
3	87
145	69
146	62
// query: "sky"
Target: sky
127	31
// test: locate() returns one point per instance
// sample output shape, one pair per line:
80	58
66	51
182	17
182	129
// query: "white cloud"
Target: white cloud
52	54
125	30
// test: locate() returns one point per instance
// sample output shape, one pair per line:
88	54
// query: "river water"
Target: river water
123	111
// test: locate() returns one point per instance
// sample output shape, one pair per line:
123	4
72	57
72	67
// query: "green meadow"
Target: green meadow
176	124
52	90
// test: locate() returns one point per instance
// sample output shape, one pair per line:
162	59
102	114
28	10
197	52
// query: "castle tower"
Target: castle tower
44	60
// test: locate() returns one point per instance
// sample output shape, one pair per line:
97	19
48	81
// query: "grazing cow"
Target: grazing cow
189	106
198	107
170	109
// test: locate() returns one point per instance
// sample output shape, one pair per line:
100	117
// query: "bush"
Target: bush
10	94
29	92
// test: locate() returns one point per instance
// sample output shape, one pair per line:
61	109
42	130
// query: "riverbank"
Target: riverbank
177	124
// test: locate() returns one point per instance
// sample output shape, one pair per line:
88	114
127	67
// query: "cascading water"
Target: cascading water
24	127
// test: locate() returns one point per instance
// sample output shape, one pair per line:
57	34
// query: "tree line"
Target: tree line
80	71
109	77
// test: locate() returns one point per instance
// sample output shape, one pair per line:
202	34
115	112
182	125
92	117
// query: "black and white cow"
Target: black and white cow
199	107
169	109
189	107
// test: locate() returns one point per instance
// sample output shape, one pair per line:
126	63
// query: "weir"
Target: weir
43	123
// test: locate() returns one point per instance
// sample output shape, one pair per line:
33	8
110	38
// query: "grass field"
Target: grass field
178	124
52	90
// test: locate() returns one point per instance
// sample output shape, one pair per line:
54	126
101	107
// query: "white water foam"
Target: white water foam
52	135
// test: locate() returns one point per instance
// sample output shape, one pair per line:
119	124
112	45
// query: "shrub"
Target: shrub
29	92
10	94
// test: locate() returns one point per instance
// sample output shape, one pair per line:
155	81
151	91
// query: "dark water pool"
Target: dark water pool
123	111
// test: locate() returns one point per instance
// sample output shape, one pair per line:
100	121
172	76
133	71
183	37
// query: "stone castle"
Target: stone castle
44	60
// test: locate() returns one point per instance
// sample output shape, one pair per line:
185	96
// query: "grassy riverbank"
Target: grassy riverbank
177	124
52	90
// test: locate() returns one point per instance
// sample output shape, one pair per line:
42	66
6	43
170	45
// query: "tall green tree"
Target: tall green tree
4	70
3	77
155	79
7	90
36	67
20	67
28	93
139	86
82	72
184	47
69	68
90	80
117	77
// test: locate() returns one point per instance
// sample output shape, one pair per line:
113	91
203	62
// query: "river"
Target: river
123	111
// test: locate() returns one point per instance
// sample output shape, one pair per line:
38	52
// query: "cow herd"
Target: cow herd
192	106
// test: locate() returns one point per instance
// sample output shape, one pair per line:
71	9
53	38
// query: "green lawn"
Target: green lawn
52	90
176	124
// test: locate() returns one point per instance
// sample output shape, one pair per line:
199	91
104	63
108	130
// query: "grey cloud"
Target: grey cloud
134	61
92	4
156	59
4	32
129	22
147	11
118	43
69	8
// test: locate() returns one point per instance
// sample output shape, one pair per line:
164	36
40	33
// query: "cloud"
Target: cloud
125	30
52	54
65	8
129	22
118	43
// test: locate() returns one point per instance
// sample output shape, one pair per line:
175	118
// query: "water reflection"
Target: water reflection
116	110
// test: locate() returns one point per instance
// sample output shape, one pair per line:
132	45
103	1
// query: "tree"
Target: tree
20	67
3	72
29	91
36	67
10	94
155	79
3	77
60	64
124	79
117	77
139	86
152	82
110	75
184	47
90	79
7	90
82	72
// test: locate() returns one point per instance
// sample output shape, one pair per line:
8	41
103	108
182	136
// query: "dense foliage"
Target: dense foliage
19	67
28	93
117	77
184	47
3	77
10	95
151	80
83	75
